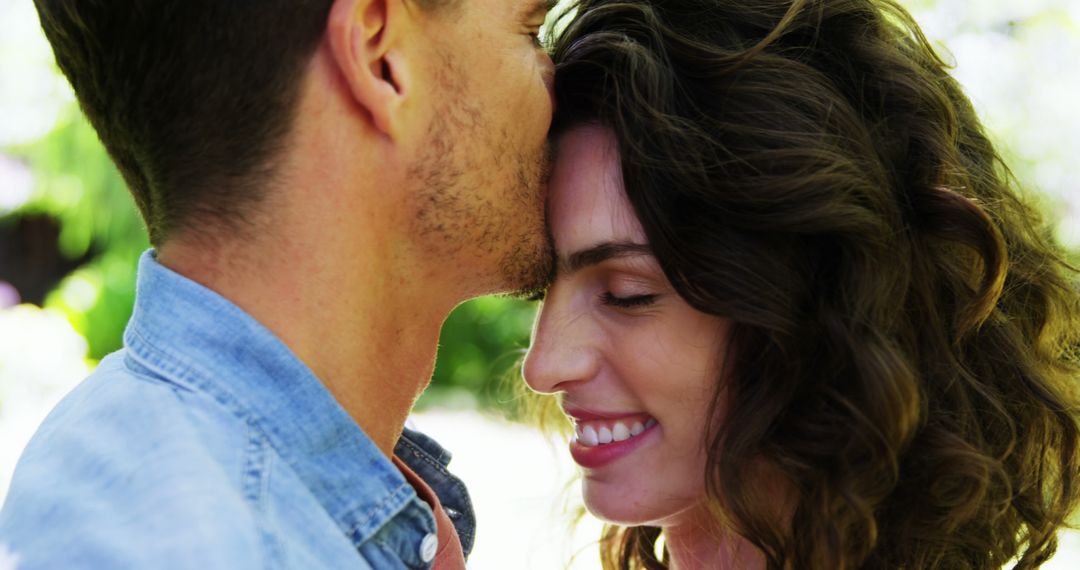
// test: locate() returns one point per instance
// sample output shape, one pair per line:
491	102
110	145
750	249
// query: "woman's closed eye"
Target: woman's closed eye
627	302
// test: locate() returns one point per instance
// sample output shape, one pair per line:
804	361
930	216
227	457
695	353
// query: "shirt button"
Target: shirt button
428	547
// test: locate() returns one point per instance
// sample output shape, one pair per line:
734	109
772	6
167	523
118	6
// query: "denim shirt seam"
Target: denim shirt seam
393	503
255	479
425	456
442	469
424	510
169	363
190	372
452	479
254	482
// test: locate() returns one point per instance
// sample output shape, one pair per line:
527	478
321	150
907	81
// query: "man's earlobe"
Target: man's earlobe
363	36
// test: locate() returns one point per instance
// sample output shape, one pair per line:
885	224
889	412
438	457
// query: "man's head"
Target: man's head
192	99
198	103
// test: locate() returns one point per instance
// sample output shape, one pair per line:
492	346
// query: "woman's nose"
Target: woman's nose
563	350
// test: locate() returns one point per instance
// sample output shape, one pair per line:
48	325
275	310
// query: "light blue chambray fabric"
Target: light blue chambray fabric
205	444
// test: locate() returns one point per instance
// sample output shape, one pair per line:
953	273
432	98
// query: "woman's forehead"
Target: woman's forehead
587	202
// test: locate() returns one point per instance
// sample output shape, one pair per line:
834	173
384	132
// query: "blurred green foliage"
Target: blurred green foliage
77	184
480	348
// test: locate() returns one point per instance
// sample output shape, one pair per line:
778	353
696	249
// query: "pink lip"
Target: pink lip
601	455
584	415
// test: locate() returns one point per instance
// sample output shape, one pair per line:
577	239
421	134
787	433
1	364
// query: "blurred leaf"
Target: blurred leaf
77	184
480	345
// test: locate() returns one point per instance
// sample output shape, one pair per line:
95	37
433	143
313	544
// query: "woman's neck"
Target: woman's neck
699	546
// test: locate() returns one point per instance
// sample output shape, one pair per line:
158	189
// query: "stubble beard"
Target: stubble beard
458	220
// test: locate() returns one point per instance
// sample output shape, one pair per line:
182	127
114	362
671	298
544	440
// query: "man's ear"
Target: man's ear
364	39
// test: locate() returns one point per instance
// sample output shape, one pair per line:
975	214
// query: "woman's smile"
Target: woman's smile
602	438
603	432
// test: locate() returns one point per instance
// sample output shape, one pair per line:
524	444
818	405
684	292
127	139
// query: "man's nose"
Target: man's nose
562	353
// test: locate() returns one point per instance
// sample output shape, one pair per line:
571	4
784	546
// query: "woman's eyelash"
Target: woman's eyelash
608	298
627	302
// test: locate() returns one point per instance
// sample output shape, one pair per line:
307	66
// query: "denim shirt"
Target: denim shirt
205	443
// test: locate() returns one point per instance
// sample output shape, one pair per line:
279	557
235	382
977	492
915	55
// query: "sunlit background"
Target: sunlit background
70	237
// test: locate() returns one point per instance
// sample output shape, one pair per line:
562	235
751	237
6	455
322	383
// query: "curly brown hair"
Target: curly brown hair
905	353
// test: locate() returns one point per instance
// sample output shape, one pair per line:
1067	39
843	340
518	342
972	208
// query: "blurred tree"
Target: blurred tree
479	349
99	235
30	258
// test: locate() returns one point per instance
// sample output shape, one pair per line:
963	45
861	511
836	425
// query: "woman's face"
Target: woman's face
636	367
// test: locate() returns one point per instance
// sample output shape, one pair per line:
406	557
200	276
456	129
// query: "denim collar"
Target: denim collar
197	339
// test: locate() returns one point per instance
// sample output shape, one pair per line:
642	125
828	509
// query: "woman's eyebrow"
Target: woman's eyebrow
600	253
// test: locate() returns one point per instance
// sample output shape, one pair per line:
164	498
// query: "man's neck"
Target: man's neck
365	325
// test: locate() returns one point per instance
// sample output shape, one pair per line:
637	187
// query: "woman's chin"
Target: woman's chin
622	519
626	507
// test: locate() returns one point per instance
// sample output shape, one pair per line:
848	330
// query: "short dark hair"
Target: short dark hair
191	98
905	346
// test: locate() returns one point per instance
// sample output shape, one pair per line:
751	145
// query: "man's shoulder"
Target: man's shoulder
123	413
124	472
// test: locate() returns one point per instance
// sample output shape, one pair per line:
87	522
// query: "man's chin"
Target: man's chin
530	268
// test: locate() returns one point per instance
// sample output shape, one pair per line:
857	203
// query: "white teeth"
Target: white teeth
599	434
619	432
588	436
